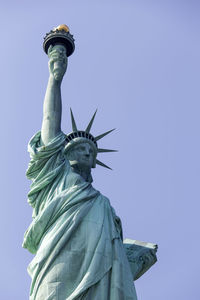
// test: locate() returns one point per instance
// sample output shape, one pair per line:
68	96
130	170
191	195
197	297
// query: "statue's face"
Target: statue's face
83	154
58	54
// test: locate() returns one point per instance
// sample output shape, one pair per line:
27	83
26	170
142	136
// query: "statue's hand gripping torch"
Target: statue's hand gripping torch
58	44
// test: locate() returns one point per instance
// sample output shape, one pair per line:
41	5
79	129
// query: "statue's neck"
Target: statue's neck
85	173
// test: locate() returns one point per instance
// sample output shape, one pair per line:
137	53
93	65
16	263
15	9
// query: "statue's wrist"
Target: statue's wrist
53	81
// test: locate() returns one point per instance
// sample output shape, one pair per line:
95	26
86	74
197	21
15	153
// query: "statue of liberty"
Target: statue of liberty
75	234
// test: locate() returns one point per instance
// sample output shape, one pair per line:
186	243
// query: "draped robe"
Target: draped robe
75	234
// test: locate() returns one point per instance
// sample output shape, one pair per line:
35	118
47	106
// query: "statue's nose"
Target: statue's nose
87	153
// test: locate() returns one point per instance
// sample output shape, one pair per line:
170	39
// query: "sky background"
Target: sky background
138	62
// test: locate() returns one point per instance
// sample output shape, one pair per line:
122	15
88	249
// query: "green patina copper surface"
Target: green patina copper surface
75	234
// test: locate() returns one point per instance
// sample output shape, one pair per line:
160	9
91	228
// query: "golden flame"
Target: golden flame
62	27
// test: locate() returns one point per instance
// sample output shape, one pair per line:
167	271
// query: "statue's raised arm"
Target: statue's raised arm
52	110
58	44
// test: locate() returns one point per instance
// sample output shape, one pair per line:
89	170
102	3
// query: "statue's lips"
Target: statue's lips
86	159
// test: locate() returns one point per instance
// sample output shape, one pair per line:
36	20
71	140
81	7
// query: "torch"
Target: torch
60	35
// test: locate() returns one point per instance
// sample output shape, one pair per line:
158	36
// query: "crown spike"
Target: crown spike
105	150
91	122
74	128
98	162
102	135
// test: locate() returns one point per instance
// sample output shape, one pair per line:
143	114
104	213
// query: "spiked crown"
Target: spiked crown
80	136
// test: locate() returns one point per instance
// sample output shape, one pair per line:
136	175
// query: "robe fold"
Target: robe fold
75	234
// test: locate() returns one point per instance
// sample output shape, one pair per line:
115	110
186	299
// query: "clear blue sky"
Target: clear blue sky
138	62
